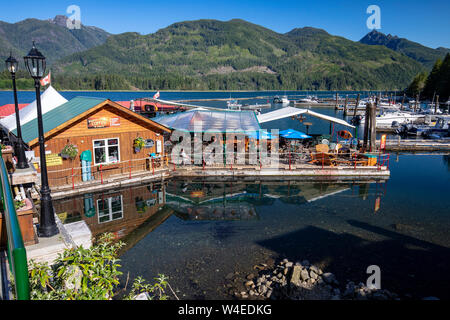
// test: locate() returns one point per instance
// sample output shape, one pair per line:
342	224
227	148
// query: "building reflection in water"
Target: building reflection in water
133	212
116	211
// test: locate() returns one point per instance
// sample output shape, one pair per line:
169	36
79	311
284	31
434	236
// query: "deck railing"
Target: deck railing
17	256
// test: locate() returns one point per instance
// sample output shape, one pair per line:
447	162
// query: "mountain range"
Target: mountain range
52	37
219	55
425	55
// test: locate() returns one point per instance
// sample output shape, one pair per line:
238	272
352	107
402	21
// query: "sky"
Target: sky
426	22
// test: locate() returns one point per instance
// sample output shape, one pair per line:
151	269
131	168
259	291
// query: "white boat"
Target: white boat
233	105
388	119
284	100
308	99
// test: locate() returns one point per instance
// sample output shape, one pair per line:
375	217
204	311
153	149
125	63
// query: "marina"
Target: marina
225	159
142	195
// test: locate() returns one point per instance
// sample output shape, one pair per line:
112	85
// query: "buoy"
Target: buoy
344	134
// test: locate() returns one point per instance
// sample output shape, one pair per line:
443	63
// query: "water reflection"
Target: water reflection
122	211
116	211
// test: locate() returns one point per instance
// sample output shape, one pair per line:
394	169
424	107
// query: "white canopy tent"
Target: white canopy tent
291	111
50	99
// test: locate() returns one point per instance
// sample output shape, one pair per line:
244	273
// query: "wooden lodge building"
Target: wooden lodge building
105	128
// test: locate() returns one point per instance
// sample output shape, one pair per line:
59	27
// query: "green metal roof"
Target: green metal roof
58	116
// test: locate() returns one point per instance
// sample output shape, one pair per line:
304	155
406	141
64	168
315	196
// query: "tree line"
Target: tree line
436	82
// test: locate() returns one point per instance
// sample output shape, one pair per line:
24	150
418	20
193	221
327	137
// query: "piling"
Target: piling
336	105
373	125
356	105
366	126
403	101
345	106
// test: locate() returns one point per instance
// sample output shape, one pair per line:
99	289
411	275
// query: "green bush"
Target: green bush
87	274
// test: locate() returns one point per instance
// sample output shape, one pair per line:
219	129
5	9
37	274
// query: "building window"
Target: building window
106	151
109	209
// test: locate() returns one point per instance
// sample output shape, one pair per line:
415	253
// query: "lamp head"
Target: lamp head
35	63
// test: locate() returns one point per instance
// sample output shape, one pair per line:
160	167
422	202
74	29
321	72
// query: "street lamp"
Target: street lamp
12	65
35	63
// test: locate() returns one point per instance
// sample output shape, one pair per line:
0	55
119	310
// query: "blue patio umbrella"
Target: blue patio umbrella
293	134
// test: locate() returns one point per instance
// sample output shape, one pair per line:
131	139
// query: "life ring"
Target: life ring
344	134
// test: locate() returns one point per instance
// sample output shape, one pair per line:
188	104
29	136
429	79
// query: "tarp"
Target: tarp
50	99
293	134
211	120
291	111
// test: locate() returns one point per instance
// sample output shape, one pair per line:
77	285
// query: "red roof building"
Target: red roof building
9	109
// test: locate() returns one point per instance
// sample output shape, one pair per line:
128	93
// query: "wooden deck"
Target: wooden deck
303	172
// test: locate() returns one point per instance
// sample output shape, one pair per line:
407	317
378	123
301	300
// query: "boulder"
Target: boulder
295	276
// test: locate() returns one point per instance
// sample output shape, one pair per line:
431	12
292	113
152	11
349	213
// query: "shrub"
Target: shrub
86	274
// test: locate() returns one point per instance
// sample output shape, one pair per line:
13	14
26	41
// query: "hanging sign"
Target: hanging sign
102	122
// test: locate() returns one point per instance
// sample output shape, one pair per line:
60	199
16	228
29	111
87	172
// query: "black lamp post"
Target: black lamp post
35	63
12	65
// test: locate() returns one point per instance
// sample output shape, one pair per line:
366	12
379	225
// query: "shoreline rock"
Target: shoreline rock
287	280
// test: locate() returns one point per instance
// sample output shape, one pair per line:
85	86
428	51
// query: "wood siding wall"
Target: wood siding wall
79	135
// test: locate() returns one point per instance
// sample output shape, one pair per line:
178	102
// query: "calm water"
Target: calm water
202	231
199	232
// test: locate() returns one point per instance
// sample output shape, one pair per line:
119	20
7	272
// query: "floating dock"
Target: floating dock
412	145
304	172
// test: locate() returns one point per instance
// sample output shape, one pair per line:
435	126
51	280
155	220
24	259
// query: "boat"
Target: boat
283	100
394	118
255	106
440	129
233	105
411	129
308	99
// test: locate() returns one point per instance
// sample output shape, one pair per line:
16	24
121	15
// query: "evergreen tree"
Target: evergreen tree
417	84
433	79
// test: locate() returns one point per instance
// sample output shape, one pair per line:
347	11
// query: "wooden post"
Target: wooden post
289	158
356	105
403	101
345	105
101	174
373	127
129	164
366	126
336	105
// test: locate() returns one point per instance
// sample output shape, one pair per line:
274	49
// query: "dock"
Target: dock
413	145
304	172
